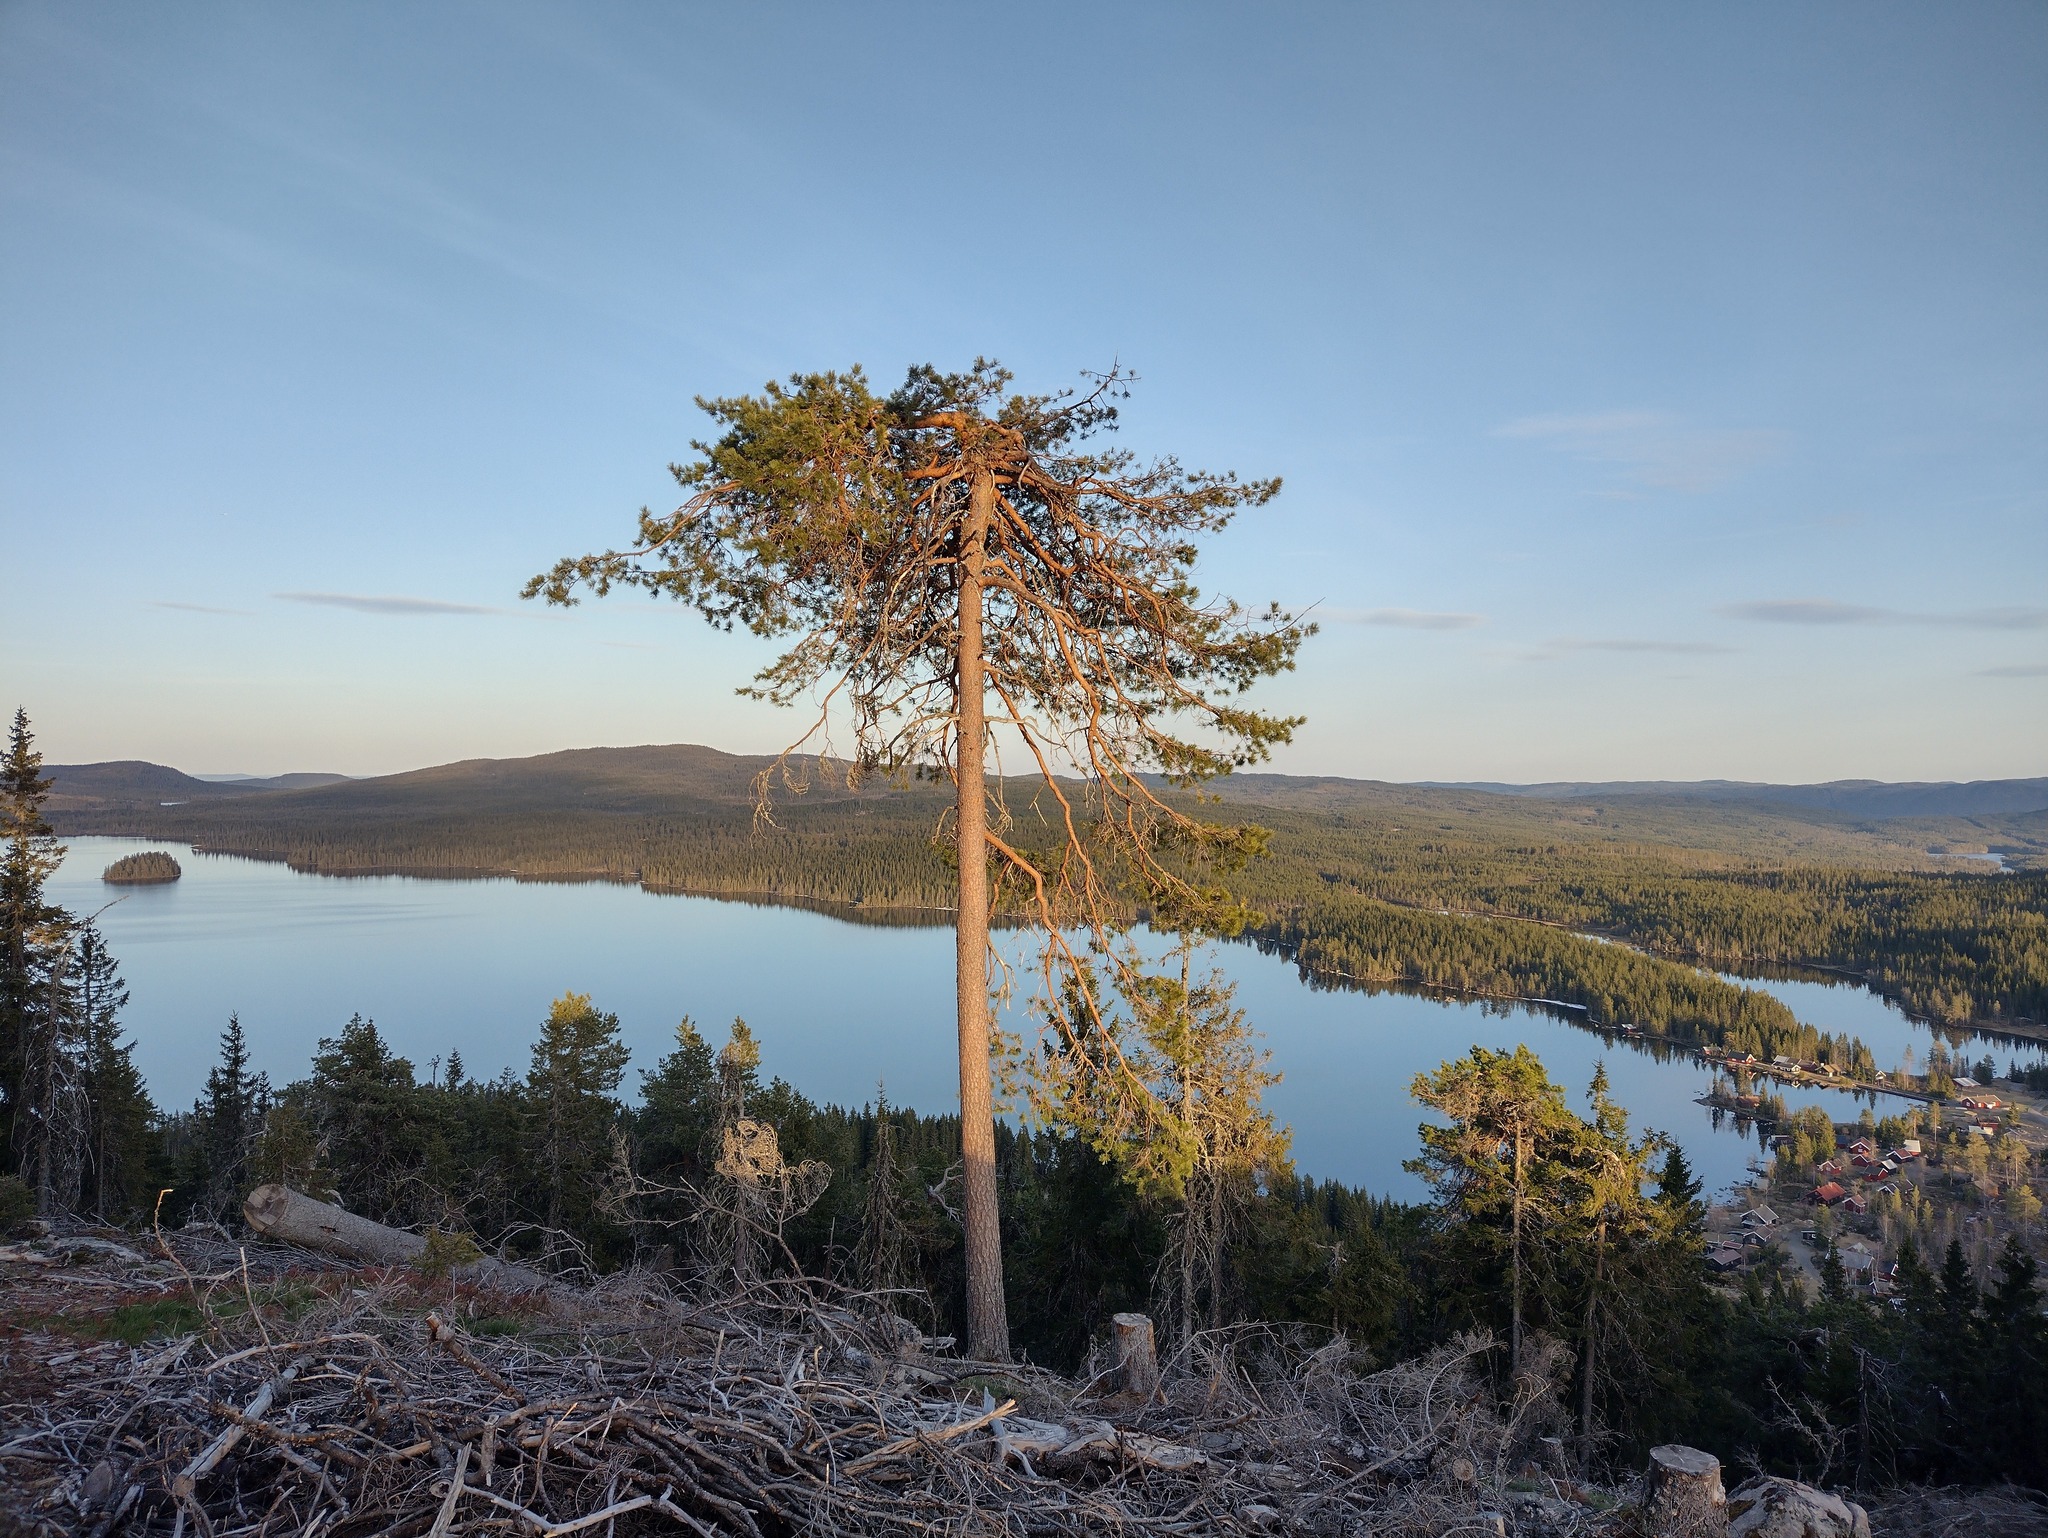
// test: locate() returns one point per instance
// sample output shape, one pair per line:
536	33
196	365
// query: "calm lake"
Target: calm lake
471	966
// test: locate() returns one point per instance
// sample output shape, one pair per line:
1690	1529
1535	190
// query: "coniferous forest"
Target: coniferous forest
1582	1256
1380	883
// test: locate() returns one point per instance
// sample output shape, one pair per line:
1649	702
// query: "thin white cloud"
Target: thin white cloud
2016	670
196	608
1825	611
1634	644
369	603
1404	619
1656	450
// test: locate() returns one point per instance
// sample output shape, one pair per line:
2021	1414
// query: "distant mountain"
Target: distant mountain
132	782
622	776
1853	798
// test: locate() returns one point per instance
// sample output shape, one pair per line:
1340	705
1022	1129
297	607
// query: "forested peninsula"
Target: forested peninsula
1474	890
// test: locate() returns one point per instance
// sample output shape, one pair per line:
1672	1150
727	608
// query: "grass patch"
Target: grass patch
131	1323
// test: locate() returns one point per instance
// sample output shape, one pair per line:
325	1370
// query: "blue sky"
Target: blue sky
1660	390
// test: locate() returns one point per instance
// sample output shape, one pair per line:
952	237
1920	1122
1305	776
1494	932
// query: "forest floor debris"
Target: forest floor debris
201	1386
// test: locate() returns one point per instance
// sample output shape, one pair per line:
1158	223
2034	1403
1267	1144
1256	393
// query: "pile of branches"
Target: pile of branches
334	1403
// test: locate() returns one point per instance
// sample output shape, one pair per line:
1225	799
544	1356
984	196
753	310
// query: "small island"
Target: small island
137	869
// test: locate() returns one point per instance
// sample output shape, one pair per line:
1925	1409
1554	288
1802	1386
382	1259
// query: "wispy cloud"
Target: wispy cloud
196	608
1634	644
1825	611
1404	619
370	603
2016	670
1655	449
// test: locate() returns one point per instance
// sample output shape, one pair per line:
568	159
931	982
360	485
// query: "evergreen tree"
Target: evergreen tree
371	1131
229	1116
121	1115
1179	1116
571	1110
30	930
1679	1191
678	1107
2016	1368
1496	1168
1603	1215
955	550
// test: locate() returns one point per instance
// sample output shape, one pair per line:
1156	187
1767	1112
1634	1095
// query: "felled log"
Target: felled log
278	1212
1137	1357
1685	1497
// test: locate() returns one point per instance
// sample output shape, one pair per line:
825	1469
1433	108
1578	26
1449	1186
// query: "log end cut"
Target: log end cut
1686	1499
265	1207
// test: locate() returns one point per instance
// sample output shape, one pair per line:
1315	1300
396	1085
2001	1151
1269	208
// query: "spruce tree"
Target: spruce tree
230	1118
29	931
570	1108
120	1112
370	1129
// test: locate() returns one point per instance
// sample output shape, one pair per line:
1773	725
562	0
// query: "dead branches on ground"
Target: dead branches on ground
352	1403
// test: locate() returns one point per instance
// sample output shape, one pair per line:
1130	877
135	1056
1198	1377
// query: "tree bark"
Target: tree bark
1515	1327
1686	1499
1137	1355
988	1329
1592	1325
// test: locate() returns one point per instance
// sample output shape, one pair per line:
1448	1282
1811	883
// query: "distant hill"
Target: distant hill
1374	882
658	776
133	782
1855	822
1855	798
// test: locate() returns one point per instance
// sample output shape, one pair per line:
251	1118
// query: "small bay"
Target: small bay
470	966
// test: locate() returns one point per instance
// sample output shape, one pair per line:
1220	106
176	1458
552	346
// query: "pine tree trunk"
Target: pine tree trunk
1515	1330
988	1330
1592	1322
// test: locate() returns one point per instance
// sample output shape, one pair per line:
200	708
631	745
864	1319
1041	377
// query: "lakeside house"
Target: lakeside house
1759	1218
1826	1195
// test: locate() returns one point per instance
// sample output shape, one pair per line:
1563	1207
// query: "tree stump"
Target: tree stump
1686	1499
1137	1358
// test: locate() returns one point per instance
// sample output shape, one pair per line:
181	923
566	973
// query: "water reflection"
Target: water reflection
469	967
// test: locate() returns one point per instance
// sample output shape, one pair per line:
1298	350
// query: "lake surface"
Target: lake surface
471	967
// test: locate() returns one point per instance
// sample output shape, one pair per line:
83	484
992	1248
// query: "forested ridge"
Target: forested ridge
1582	1252
1728	886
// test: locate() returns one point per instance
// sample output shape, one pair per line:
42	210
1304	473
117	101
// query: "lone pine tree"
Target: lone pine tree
950	557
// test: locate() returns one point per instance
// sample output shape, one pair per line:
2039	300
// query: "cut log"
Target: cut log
278	1212
1685	1497
1137	1357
